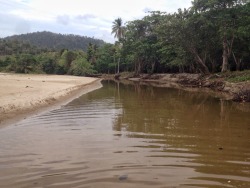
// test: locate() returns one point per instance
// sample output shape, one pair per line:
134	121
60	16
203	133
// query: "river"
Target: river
130	135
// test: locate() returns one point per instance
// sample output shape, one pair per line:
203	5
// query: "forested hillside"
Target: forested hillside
57	41
11	47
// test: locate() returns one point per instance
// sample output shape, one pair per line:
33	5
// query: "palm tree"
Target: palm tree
119	30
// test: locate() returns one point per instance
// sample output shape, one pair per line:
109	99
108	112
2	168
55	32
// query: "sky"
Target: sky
92	18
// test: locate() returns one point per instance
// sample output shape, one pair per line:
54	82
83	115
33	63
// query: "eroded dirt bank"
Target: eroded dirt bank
239	91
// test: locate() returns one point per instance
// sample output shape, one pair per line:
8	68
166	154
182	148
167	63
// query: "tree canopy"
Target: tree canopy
118	29
210	36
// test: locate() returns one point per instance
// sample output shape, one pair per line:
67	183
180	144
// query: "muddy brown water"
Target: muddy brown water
130	136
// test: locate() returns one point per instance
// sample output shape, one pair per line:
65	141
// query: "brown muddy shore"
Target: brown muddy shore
214	83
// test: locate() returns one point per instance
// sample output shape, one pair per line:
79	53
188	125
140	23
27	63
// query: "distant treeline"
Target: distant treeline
55	41
21	57
210	36
14	47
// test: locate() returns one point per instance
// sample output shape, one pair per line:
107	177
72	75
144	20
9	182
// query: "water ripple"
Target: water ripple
129	138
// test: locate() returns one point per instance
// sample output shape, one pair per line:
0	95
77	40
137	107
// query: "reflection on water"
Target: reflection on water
130	136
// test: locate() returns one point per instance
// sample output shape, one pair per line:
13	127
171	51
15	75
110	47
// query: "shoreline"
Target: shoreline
27	95
238	92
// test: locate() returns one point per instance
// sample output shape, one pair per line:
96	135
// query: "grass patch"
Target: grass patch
237	76
239	79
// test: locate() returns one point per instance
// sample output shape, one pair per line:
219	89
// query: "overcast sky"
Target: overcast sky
92	18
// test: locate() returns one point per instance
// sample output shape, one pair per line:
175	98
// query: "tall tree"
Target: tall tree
91	53
223	14
119	30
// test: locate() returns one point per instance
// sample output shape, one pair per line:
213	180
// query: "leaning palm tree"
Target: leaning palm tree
119	30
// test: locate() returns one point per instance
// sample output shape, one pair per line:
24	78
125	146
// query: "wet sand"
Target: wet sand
23	94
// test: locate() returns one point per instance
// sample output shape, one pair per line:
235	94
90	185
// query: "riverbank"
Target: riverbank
239	91
231	86
25	94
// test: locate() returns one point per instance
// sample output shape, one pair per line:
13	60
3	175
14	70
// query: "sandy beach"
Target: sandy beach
23	94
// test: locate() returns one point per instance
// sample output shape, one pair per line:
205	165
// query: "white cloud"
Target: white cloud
22	27
64	19
84	17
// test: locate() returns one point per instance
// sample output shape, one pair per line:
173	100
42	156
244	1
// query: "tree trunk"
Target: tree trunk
153	67
237	62
118	87
225	56
212	61
200	61
118	66
115	63
139	67
192	68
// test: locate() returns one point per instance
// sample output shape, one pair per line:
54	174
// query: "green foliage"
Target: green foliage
226	16
9	47
106	59
59	69
209	37
240	78
81	67
91	53
48	66
24	63
118	29
237	76
63	62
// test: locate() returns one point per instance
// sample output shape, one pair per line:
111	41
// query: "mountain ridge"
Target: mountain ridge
57	41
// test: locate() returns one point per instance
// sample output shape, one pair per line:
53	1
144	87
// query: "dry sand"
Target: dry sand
21	94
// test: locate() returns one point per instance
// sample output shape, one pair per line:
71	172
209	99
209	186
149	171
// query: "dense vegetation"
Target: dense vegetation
18	47
211	36
57	41
21	57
